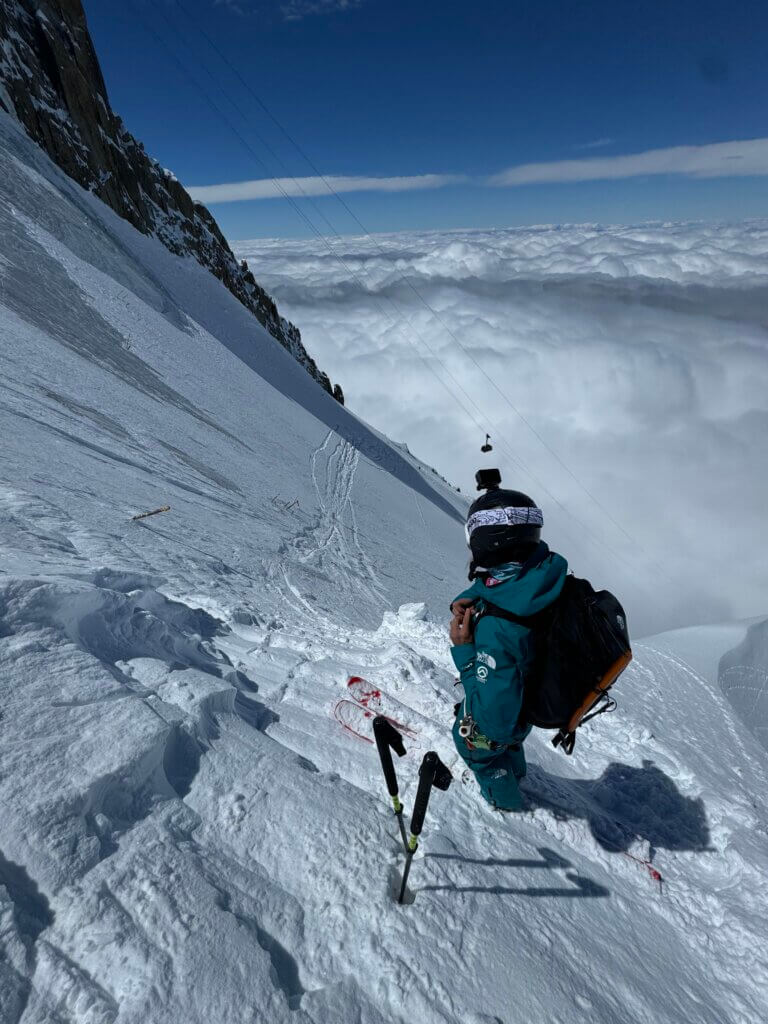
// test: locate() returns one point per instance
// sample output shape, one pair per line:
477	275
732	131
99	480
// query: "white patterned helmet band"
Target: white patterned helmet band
511	516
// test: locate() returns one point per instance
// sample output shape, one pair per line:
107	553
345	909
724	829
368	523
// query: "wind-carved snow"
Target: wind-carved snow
743	674
187	832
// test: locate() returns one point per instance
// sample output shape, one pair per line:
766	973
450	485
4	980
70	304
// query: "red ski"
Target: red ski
383	703
359	720
364	693
357	712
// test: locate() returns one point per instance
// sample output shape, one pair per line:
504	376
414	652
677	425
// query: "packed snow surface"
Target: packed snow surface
621	371
188	834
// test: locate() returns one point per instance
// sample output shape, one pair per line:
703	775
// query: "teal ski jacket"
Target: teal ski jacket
495	665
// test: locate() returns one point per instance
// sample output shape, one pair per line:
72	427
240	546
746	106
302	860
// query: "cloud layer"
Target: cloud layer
639	355
275	188
718	160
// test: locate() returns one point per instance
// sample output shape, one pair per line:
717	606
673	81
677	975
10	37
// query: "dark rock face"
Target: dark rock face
50	79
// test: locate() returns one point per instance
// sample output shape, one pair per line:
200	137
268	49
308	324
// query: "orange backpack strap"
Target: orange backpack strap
566	738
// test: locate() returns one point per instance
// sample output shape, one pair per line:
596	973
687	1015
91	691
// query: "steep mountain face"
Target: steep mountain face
50	79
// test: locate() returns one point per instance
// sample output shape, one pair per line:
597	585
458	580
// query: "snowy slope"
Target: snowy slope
187	833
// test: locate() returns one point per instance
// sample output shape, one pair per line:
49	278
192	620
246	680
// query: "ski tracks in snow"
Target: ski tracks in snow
330	544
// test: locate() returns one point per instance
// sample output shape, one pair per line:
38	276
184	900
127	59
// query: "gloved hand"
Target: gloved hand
462	628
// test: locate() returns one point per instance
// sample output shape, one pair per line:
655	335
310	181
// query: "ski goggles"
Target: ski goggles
509	516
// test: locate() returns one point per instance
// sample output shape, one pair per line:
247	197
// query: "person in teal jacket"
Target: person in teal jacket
513	569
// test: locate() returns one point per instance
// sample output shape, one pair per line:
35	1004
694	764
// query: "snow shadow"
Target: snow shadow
54	309
284	967
580	886
31	910
116	803
181	760
624	805
743	677
114	627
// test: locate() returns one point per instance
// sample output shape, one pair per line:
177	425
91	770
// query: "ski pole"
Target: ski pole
387	736
431	773
154	512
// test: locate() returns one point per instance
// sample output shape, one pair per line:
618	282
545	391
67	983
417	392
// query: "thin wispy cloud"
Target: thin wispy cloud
716	160
290	10
597	144
231	5
295	10
277	188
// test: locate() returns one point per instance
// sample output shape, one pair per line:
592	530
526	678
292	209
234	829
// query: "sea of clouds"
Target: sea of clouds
638	355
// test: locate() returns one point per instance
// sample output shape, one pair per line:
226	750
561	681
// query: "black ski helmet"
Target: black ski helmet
499	524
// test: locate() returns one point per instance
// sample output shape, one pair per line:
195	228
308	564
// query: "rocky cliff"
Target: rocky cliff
50	79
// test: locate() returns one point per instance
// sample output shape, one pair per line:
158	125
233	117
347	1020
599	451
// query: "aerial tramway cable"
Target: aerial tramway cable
599	541
299	149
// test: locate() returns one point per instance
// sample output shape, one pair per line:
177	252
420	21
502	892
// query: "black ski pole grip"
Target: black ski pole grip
386	736
426	778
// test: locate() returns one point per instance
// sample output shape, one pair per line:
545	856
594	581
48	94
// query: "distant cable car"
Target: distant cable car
487	447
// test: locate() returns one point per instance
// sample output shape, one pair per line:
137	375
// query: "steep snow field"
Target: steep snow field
187	834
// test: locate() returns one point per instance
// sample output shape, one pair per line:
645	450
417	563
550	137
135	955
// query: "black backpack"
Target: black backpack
582	646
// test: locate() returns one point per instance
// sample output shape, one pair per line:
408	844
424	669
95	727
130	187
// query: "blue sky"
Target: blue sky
387	89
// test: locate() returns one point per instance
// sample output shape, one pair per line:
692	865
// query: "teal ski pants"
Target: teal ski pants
497	771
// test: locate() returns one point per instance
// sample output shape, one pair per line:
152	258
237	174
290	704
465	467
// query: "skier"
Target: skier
513	569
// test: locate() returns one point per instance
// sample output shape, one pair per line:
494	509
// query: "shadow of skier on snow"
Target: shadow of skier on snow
624	805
